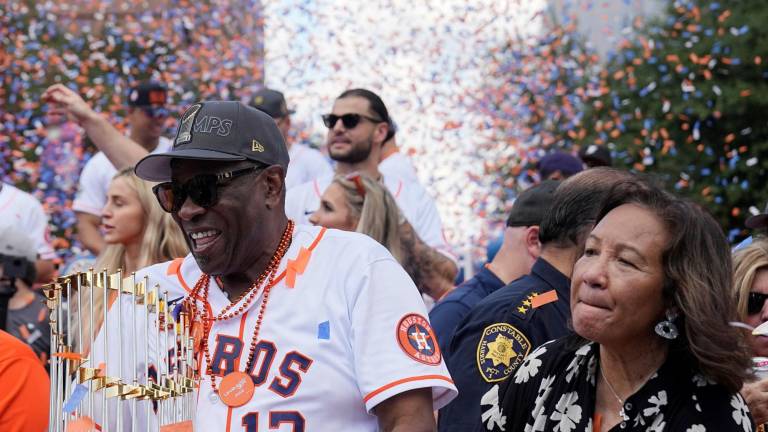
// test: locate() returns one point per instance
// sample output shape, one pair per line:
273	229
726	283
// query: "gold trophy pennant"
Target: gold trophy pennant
103	319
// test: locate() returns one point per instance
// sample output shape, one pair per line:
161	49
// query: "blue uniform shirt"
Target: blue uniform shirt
497	334
451	309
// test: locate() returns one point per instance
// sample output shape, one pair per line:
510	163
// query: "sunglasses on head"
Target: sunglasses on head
348	120
156	112
202	189
755	302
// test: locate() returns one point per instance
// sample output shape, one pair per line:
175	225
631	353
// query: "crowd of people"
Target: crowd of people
611	302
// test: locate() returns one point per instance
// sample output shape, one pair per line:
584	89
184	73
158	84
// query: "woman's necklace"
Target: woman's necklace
622	413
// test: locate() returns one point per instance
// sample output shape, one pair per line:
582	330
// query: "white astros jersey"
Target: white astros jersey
344	329
350	333
399	165
306	164
25	213
414	202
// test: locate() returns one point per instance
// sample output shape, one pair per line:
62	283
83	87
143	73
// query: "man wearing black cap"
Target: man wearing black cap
514	259
306	163
147	114
358	125
326	328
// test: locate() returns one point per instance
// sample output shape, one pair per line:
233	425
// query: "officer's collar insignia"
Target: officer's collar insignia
501	349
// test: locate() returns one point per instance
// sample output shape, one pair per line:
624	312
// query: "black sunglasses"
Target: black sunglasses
755	302
202	189
348	120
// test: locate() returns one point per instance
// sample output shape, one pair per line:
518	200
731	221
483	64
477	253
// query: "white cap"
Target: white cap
16	244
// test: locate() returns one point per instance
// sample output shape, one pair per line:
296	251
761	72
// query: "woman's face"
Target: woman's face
122	218
334	211
759	286
616	290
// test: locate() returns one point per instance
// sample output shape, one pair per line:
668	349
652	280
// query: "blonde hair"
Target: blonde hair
746	263
375	209
161	241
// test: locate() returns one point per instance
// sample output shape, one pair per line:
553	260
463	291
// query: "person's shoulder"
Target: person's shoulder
14	350
348	244
22	200
314	187
513	298
714	406
468	294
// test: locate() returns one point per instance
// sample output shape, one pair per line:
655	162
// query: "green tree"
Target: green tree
686	98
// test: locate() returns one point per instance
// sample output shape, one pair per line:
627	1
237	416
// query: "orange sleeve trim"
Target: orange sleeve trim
384	388
174	266
317	188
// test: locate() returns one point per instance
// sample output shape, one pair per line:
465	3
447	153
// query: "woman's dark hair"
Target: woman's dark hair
377	106
697	280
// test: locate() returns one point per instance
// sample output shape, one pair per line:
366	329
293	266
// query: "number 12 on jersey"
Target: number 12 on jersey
276	419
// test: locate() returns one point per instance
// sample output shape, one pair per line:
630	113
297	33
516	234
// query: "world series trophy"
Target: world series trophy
125	363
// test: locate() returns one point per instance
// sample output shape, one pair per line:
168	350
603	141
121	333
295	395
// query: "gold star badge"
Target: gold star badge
521	309
500	350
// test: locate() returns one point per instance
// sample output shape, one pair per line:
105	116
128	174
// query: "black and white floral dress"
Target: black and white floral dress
554	391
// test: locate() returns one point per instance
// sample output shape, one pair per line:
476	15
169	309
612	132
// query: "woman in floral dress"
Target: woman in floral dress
652	349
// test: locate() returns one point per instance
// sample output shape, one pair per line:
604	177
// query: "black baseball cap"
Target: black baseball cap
271	102
219	131
532	204
758	221
148	93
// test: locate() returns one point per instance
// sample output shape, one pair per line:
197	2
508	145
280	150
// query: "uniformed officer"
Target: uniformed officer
495	337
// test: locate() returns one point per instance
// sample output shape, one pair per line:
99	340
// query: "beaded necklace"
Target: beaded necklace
207	319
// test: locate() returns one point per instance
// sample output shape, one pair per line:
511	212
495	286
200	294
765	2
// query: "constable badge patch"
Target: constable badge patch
501	349
417	339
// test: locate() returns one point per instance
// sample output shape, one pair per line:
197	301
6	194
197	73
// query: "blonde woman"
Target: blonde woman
750	285
138	233
358	203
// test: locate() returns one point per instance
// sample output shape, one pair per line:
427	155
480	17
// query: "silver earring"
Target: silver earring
667	328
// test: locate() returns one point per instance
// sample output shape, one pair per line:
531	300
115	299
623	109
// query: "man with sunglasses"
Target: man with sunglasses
146	117
306	163
325	323
358	125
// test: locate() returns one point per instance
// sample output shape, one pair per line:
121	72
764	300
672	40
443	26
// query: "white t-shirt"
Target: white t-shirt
94	180
338	337
412	199
306	164
400	166
23	212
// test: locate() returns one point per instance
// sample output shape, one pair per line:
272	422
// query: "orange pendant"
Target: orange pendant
197	335
236	389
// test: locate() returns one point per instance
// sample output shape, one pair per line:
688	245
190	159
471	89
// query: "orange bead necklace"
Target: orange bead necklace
202	285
